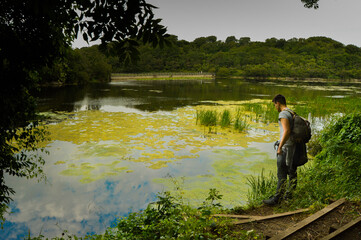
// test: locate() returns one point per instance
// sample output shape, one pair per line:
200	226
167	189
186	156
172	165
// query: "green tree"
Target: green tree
230	42
352	49
36	34
199	42
90	61
223	72
244	41
310	3
211	39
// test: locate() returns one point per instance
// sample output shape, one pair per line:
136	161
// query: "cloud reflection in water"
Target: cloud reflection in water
66	204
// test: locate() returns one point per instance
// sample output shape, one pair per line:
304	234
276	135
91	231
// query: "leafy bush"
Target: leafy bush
314	145
346	130
168	219
338	164
336	172
223	72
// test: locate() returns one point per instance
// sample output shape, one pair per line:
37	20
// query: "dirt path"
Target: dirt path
318	229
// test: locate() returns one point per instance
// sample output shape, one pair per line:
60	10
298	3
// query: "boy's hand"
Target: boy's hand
276	144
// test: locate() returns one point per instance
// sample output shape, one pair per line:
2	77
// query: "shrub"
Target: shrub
338	164
336	172
223	72
167	219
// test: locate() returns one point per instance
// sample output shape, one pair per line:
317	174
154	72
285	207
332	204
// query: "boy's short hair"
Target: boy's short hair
279	98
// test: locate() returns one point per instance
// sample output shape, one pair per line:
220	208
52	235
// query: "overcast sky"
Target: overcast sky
259	19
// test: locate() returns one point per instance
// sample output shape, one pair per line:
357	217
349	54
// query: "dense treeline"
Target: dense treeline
315	57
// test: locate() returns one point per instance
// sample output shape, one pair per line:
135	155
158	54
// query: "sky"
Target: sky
259	19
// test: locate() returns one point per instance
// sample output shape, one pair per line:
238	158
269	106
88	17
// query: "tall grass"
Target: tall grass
225	119
240	123
261	187
207	117
270	114
255	108
263	112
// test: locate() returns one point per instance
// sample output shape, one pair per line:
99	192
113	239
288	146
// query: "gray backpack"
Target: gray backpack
301	130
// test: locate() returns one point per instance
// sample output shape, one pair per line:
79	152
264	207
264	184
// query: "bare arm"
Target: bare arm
286	133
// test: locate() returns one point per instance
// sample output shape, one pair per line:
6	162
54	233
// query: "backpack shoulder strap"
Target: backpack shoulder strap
292	113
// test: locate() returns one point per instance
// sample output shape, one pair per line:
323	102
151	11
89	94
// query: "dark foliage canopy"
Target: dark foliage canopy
36	34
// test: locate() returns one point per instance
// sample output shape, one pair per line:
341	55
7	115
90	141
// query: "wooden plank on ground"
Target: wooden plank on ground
342	229
308	220
232	216
252	218
261	218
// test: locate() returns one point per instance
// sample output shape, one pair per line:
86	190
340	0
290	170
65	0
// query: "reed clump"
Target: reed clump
263	112
225	119
207	117
261	187
240	123
211	118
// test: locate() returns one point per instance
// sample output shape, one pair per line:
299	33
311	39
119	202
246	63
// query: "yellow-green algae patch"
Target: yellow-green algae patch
154	139
102	149
59	162
229	176
92	172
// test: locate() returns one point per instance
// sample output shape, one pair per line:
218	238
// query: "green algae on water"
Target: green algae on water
155	140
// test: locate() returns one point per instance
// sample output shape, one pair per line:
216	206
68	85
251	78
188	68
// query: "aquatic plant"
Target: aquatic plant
264	112
225	119
270	114
255	108
207	117
240	123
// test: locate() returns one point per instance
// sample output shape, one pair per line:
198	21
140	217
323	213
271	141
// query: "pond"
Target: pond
115	146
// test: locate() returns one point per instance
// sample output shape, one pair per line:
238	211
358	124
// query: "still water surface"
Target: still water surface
115	146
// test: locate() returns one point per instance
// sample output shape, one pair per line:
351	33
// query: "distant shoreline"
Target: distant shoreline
116	77
119	77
